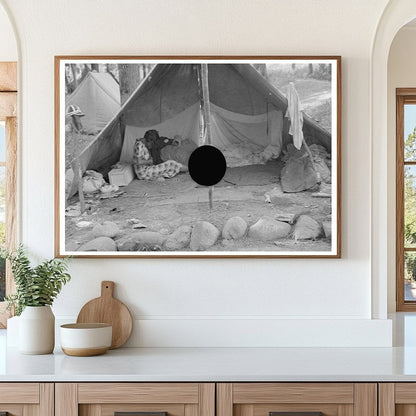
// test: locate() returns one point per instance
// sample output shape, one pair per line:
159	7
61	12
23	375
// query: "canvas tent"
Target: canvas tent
247	115
98	96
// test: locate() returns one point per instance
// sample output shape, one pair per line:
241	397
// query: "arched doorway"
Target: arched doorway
8	150
8	45
395	16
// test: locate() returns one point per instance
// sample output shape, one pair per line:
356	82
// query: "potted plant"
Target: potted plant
36	289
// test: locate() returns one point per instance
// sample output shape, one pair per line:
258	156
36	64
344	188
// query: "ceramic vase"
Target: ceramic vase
37	330
12	334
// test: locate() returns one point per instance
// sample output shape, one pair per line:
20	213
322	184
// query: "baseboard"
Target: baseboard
188	332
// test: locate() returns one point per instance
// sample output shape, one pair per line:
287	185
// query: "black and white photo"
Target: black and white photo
263	134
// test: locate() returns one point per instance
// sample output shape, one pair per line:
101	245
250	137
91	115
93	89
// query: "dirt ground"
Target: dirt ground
163	206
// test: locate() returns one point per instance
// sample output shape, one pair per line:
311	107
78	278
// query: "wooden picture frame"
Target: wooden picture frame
277	120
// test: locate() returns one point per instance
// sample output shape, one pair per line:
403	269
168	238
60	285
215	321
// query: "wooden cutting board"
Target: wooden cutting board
107	309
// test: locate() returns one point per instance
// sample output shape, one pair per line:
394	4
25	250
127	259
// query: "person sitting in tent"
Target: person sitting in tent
155	144
73	122
144	168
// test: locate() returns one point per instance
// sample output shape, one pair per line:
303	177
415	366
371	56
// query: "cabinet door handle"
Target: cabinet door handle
295	413
138	414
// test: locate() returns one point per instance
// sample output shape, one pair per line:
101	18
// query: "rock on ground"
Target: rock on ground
234	228
149	238
266	229
298	174
327	226
204	235
107	229
306	228
141	241
179	239
99	244
127	244
323	170
227	243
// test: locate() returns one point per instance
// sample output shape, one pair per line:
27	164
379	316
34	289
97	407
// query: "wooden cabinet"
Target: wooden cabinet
397	399
27	399
208	399
262	399
106	399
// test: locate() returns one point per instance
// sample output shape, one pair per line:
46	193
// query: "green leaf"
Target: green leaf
35	286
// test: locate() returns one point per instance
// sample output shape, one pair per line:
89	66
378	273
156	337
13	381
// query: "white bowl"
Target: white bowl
84	340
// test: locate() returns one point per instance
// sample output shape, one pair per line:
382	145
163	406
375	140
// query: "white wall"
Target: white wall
202	299
8	47
401	74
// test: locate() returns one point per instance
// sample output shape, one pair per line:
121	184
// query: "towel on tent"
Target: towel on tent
295	115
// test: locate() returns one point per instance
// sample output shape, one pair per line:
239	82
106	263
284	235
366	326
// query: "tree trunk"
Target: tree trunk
68	84
74	76
71	79
129	76
149	67
84	72
112	70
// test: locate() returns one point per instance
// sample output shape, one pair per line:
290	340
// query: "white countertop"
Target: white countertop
222	364
215	364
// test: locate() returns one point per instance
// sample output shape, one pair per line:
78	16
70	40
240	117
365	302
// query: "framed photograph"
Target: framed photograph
198	156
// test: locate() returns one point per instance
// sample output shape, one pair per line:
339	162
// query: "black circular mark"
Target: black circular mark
207	165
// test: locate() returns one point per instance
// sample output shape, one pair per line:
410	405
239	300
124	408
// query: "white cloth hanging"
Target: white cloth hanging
294	113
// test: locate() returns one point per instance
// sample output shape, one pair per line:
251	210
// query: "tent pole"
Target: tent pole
201	108
308	151
76	166
207	115
206	102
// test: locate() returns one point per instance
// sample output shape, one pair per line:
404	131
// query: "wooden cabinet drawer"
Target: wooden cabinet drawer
105	399
331	399
27	399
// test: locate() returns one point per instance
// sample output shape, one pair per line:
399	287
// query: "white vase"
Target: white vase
37	330
12	333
